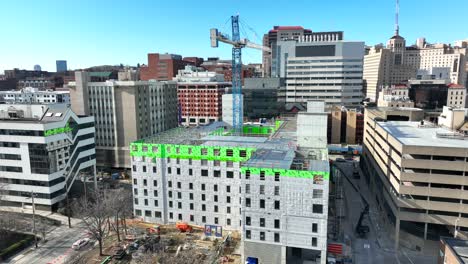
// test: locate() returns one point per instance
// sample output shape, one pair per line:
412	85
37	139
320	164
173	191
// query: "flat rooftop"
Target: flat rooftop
427	135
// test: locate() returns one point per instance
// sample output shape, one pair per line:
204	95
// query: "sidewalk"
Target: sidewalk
54	216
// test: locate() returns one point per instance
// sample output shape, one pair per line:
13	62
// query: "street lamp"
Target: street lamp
34	217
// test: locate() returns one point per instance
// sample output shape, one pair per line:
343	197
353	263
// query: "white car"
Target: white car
80	243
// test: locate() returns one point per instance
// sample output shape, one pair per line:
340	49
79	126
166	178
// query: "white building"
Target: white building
259	185
42	150
330	71
30	95
395	96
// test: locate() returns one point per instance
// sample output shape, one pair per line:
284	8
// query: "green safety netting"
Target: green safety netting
287	173
235	154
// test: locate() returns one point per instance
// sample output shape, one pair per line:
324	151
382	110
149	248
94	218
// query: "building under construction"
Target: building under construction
271	183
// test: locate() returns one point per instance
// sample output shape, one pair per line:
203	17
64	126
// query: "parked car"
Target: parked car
80	243
340	160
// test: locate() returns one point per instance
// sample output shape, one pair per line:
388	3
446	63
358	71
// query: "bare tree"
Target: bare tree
94	212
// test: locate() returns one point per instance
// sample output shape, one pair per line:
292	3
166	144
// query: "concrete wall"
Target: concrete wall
266	253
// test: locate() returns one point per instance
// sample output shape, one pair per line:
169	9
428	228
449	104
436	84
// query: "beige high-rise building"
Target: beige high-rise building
397	63
124	112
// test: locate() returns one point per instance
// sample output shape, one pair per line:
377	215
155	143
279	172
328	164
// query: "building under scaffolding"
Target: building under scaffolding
263	183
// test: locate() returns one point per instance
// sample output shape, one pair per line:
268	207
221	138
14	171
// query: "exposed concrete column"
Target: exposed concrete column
283	255
95	178
323	256
425	231
397	232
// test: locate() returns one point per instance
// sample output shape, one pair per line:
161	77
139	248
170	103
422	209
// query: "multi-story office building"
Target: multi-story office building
162	67
280	33
31	95
41	83
61	65
317	69
124	112
277	195
225	67
42	150
397	63
416	172
261	97
199	94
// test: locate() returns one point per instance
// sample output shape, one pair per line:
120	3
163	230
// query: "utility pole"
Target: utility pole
34	217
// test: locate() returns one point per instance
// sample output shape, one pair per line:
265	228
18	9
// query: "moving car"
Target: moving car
80	243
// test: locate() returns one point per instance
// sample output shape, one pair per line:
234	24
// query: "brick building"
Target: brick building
200	95
162	67
225	67
345	126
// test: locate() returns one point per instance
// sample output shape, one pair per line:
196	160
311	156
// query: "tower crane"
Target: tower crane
237	45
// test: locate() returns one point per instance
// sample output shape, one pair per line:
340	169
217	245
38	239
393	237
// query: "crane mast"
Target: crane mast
237	45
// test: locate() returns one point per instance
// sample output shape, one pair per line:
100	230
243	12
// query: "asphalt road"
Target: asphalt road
369	250
55	250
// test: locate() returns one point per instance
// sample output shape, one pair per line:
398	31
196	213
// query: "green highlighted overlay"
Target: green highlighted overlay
287	173
60	130
250	130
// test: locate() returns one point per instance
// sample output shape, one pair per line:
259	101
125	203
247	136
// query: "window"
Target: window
262	236
136	200
314	228
203	219
204	151
228	221
191	186
135	191
247	174
145	192
178	171
229	174
217	174
179	185
277	205
216	163
277	237
190	161
277	176
247	202
216	152
144	170
134	169
155	193
190	172
228	199
169	170
316	193
155	183
262	189
191	206
191	196
204	173
146	201
247	220
192	218
215	198
180	216
314	241
138	212
135	181
262	203
171	215
277	223
215	208
216	220
229	164
247	234
277	190
170	194
228	188
203	207
203	186
247	188
170	204
156	203
215	187
179	195
157	214
154	169
203	197
204	162
243	153
228	210
317	208
145	183
262	222
179	205
229	152
262	175
147	213
169	184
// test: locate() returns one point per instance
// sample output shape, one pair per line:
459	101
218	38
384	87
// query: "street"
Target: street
377	246
55	250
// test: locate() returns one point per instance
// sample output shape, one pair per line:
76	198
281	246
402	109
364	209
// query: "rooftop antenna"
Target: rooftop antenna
397	28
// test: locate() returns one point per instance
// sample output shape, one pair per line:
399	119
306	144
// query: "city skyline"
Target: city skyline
111	33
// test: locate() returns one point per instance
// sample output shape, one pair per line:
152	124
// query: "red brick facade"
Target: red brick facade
161	69
200	103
